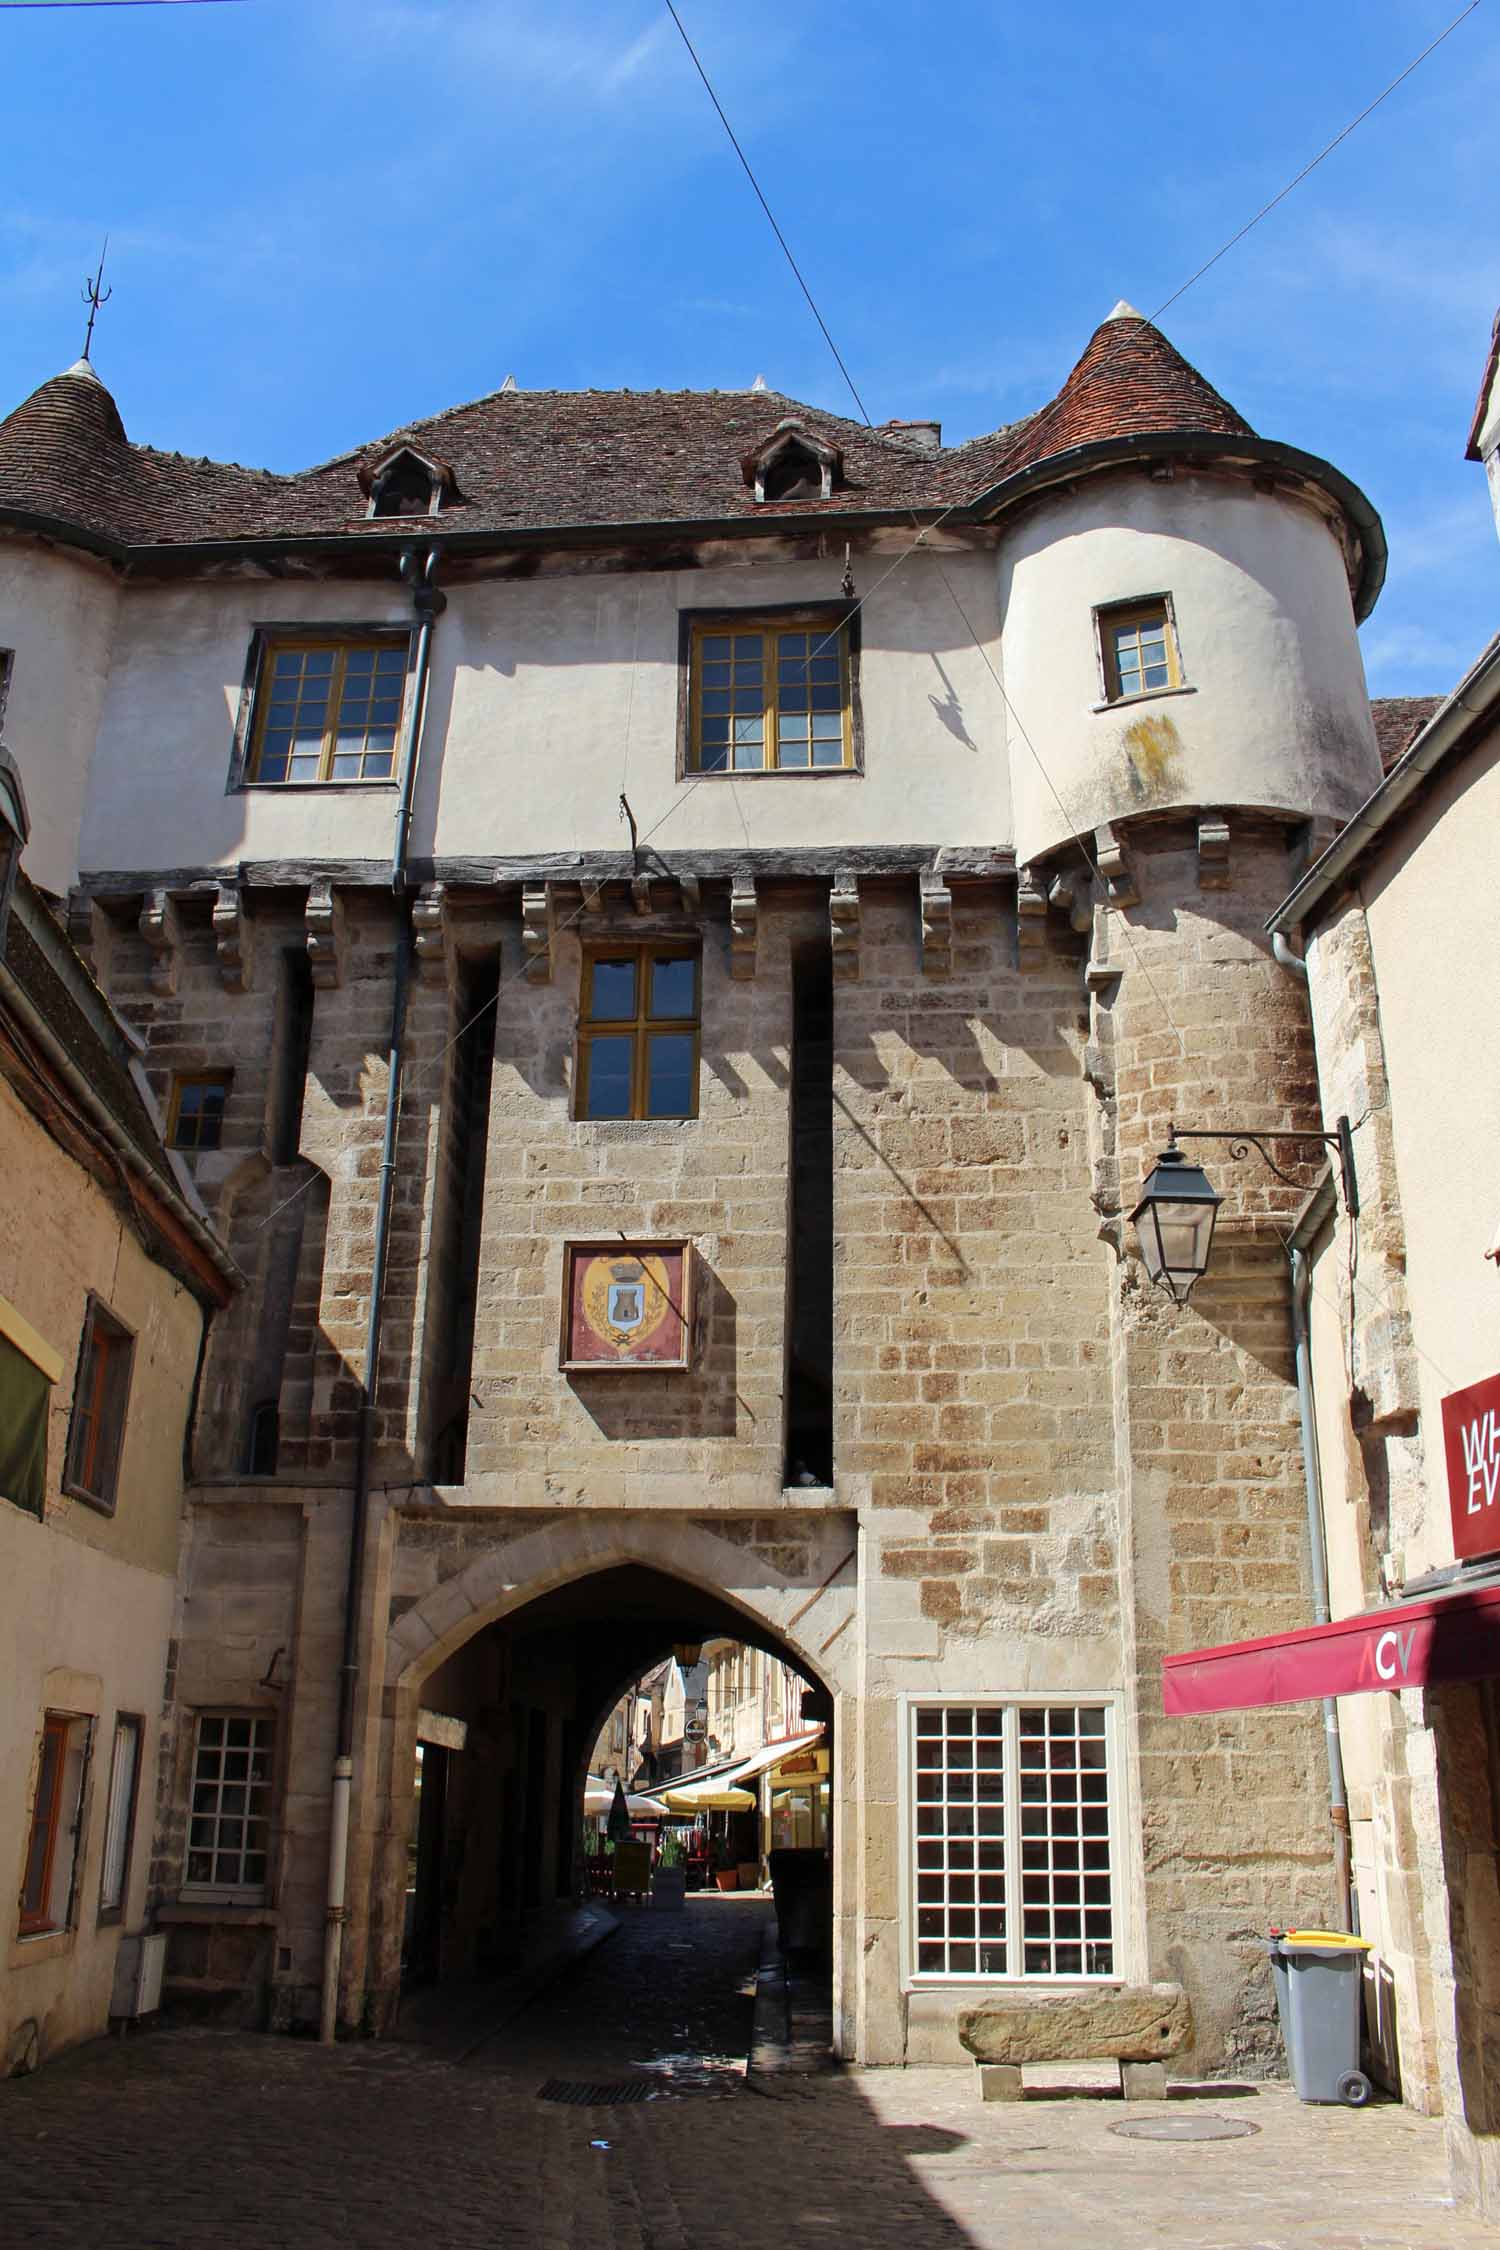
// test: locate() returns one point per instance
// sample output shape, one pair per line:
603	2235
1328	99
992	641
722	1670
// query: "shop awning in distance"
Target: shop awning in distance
1453	1636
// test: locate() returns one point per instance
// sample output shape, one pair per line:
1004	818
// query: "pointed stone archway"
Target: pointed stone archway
486	1640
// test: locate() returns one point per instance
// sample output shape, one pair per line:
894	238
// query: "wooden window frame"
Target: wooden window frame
38	1921
181	1081
255	698
1147	608
132	1723
841	617
638	1027
102	1411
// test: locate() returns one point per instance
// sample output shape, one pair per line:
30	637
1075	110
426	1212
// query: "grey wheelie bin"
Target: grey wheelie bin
1319	1992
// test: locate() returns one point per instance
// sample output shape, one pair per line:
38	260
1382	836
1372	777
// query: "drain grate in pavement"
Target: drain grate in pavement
1185	2128
585	2092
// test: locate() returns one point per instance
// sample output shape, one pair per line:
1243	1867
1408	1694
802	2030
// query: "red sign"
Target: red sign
1471	1441
1412	1644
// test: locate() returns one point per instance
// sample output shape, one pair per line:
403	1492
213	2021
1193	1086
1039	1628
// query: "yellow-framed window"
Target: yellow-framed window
638	1032
768	697
1139	648
327	710
196	1118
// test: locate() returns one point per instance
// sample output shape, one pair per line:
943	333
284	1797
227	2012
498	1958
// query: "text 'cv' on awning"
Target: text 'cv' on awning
1454	1636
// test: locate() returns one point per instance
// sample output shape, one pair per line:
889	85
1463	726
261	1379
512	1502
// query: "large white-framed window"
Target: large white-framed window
1012	1847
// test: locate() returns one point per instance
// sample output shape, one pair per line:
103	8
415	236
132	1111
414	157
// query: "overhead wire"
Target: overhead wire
1034	429
1037	425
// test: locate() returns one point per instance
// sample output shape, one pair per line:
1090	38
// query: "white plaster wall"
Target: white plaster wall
1278	713
158	794
79	1631
548	697
58	614
1435	939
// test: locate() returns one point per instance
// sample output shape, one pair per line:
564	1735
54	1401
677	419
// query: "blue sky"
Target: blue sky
329	217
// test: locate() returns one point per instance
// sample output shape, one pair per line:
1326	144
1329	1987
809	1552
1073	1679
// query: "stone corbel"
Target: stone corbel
640	893
1031	917
232	941
323	921
744	926
88	933
692	893
432	931
843	925
937	925
593	896
1069	893
1112	854
162	931
1213	852
536	933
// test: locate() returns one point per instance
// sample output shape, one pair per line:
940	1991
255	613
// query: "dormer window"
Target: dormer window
793	464
407	483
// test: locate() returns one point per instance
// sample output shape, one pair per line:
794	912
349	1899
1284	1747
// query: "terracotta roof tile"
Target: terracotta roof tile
1398	721
1130	382
531	461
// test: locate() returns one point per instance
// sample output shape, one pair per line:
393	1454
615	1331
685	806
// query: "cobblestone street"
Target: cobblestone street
180	2139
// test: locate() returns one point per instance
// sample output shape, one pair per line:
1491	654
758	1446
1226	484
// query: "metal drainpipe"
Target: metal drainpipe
1338	1796
427	603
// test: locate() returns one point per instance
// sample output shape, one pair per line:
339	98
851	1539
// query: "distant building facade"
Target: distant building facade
692	918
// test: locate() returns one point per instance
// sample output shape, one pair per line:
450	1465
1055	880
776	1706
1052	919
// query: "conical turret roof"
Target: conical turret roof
1130	382
64	453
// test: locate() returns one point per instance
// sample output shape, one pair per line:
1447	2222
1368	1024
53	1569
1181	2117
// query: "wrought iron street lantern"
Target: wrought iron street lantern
1175	1216
1175	1222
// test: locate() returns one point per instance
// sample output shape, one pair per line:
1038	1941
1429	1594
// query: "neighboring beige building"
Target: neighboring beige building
681	1179
108	1274
1402	949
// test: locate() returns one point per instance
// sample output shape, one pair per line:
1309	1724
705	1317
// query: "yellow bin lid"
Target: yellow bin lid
1325	1937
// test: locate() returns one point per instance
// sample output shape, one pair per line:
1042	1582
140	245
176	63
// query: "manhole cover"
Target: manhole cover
585	2092
1185	2128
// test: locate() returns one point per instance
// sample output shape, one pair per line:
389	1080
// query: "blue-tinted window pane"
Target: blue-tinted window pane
609	1076
613	991
669	1074
673	988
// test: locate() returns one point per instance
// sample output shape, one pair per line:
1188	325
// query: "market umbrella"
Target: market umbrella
617	1827
724	1799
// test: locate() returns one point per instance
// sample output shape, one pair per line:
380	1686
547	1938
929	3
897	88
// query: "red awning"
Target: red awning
1452	1637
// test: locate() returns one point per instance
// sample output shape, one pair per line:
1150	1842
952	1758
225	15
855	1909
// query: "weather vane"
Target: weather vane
94	296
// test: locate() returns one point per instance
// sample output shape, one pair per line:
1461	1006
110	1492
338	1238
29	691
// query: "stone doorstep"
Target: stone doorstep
1135	2026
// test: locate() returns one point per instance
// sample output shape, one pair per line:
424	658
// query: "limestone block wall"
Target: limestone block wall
971	1353
1201	1025
713	1435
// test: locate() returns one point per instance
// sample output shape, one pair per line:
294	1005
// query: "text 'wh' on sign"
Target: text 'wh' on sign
1471	1442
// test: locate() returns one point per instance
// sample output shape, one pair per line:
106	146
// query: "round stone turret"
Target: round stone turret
1179	600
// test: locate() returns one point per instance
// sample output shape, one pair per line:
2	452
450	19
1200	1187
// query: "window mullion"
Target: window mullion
638	1046
331	722
771	703
1013	1955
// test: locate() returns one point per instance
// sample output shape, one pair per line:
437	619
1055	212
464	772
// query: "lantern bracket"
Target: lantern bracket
1241	1141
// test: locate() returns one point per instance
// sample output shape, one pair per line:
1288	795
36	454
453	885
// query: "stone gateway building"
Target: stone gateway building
668	928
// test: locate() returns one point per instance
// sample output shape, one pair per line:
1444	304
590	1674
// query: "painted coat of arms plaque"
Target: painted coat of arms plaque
626	1305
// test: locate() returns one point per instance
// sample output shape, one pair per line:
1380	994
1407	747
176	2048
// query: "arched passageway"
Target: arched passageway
506	1723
